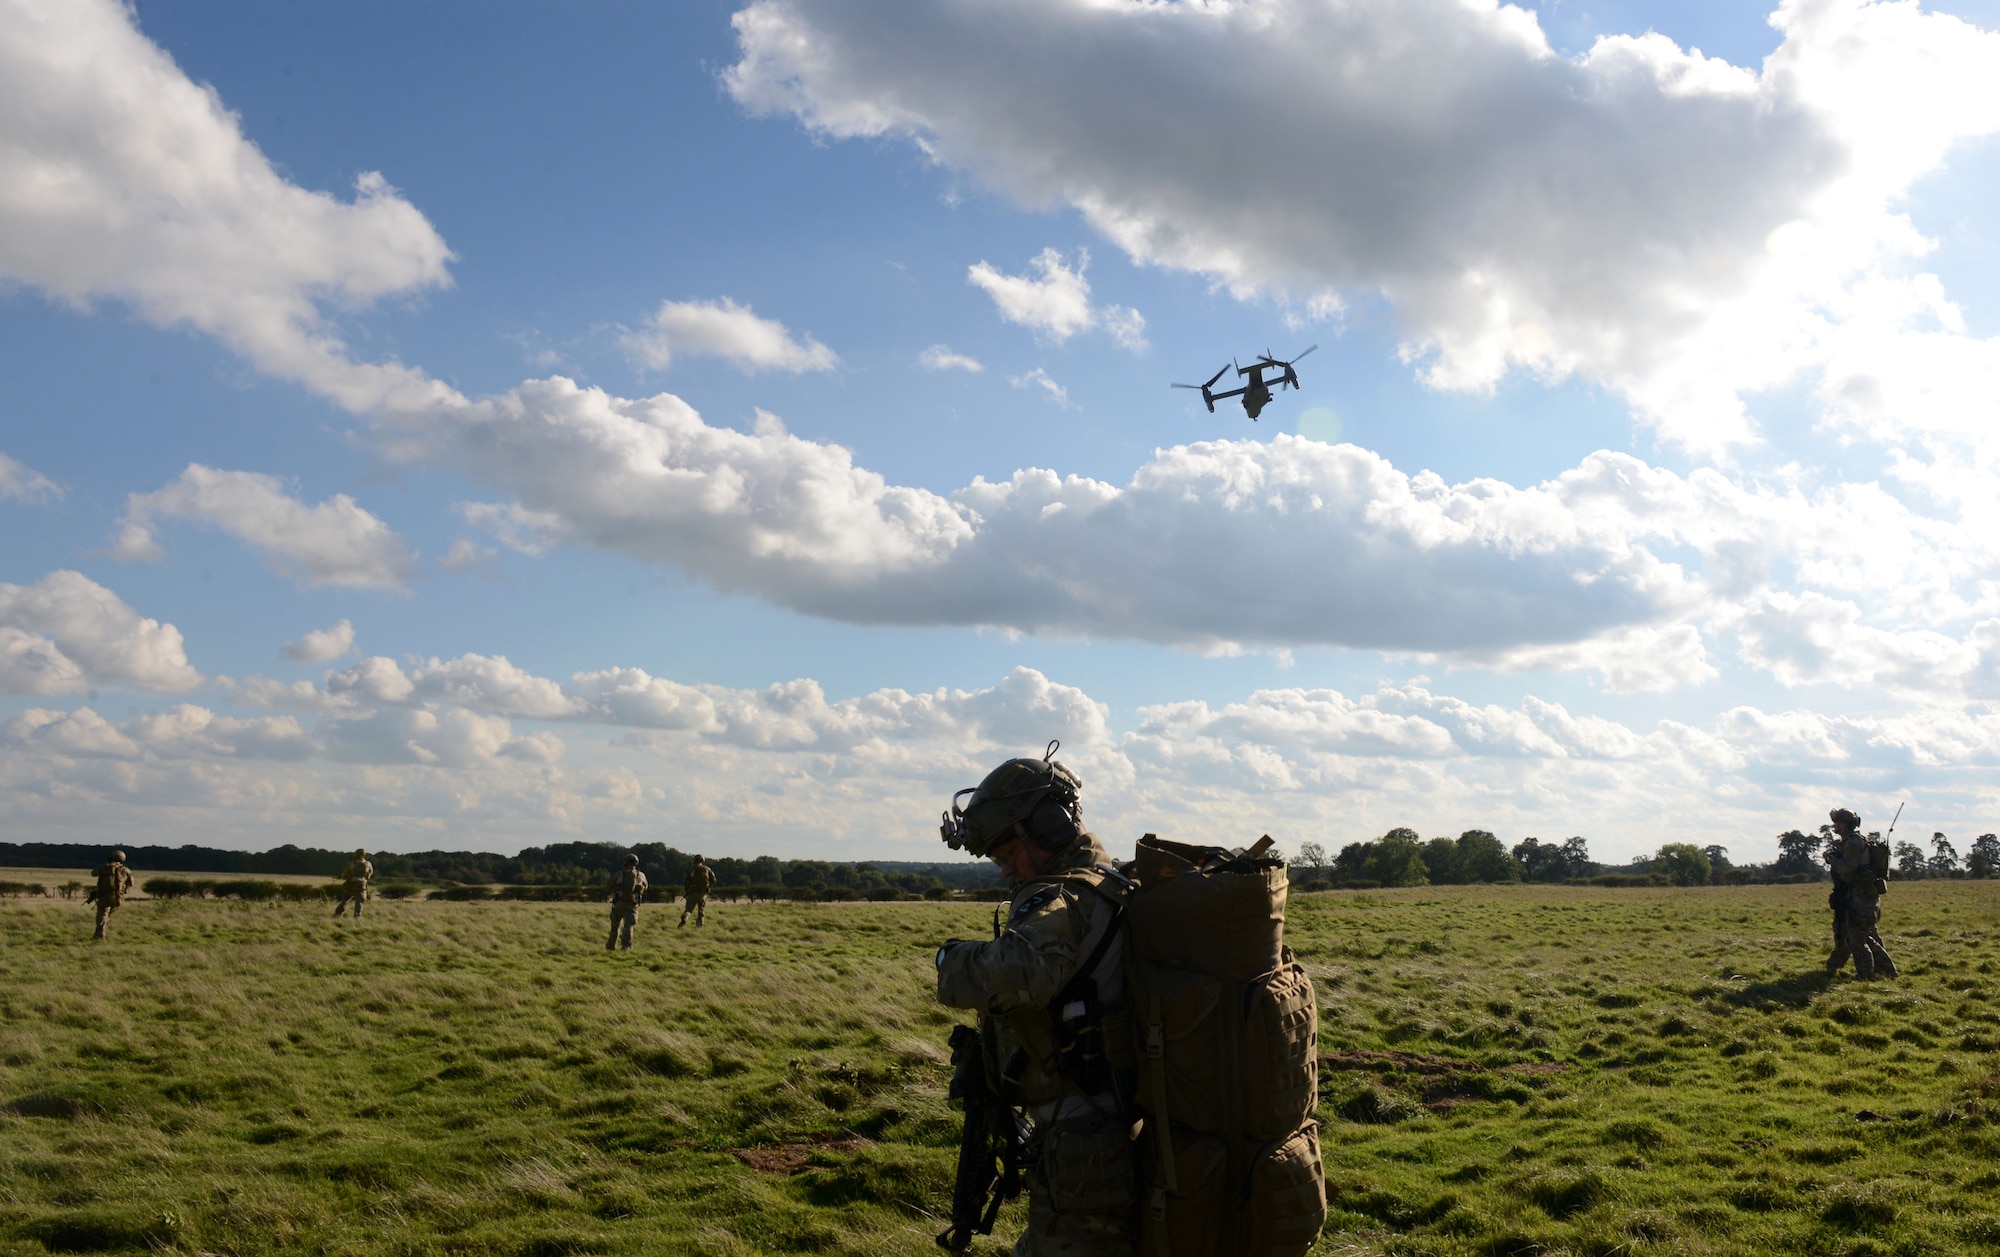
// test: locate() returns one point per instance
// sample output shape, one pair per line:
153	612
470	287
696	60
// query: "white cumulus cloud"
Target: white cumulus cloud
123	180
66	633
321	645
333	543
1041	379
24	484
944	358
1056	305
726	330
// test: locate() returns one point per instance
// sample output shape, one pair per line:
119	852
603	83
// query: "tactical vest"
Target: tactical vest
1870	881
1079	1043
1228	1031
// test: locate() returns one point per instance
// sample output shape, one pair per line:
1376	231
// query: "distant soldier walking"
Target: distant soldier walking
1860	871
114	881
695	886
354	883
628	889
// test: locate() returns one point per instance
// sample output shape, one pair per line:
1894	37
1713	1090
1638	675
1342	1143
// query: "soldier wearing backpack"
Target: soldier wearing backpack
114	882
628	889
1860	876
354	879
1044	988
695	886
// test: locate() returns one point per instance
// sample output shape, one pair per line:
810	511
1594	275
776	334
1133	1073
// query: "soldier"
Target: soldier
354	883
1858	904
696	885
1041	988
114	880
628	889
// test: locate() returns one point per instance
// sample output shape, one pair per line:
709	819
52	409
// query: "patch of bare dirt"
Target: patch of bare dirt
790	1157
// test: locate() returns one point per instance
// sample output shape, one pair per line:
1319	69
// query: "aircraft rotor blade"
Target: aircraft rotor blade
1297	356
1213	378
1183	386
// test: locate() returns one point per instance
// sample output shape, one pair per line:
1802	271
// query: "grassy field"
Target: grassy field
1515	1070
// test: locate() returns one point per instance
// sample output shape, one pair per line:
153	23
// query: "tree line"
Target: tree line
1402	857
560	864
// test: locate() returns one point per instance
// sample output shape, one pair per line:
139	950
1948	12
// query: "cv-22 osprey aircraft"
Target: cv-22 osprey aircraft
1256	394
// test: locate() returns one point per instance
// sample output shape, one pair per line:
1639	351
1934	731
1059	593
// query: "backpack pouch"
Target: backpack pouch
1089	1165
1189	1222
1287	1197
1280	1046
1192	1008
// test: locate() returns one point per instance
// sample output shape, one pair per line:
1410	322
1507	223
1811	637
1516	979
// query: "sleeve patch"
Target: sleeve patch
1035	903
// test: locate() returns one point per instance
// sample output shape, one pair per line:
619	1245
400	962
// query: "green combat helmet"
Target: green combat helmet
1003	802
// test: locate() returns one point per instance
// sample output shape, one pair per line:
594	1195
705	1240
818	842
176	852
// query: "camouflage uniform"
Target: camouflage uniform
695	886
1081	1186
1863	910
354	884
114	881
628	890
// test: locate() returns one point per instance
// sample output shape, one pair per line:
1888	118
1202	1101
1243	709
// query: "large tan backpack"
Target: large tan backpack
1228	1029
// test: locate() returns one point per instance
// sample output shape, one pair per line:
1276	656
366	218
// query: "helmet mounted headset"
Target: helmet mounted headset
1001	804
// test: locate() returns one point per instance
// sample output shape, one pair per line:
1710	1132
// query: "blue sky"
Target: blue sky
576	375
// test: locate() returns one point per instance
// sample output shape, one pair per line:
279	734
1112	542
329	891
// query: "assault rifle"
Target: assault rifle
989	1152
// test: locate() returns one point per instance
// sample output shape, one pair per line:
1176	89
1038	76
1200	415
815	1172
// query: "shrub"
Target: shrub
935	893
462	894
398	890
840	894
801	894
247	889
300	892
554	894
168	887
